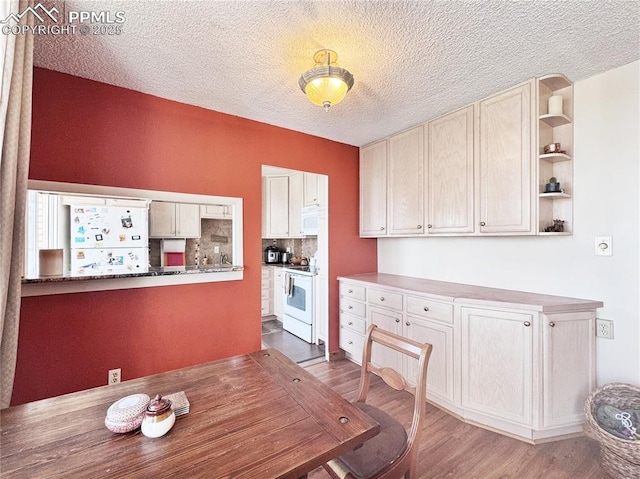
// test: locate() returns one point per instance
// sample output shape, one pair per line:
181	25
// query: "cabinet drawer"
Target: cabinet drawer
385	298
428	308
353	307
266	284
266	273
351	342
352	291
355	324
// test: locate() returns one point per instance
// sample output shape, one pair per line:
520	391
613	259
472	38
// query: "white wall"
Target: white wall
606	203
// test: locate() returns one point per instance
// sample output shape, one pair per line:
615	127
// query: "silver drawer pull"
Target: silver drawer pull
482	223
397	320
408	323
419	227
426	308
552	324
350	342
429	226
350	323
381	298
382	228
350	291
527	324
350	307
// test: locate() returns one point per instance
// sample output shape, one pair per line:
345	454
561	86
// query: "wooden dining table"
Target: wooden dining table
257	415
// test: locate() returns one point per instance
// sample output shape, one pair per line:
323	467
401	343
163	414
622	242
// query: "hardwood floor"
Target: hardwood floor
452	449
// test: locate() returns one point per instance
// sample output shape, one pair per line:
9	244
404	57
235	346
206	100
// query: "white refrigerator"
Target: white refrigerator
108	240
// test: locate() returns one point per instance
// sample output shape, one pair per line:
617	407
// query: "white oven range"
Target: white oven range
299	307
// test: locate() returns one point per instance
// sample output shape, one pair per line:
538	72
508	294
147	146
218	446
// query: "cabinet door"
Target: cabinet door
440	371
311	189
505	151
278	292
450	173
391	321
569	369
406	182
373	190
497	363
296	187
162	220
277	206
187	220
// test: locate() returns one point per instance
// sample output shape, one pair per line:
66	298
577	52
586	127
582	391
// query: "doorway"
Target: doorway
286	194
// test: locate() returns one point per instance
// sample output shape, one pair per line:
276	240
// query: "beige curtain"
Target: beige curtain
15	128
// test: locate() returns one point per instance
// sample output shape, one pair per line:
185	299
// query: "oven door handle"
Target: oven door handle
288	285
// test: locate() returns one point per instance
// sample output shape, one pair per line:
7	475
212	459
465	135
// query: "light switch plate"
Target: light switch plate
603	246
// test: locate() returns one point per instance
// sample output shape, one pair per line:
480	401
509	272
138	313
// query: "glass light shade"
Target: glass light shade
326	90
326	84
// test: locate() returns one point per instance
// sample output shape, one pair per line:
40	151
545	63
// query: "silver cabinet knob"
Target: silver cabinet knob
482	223
397	320
350	323
527	324
350	342
429	226
419	227
426	308
350	291
350	307
381	298
408	323
382	228
552	324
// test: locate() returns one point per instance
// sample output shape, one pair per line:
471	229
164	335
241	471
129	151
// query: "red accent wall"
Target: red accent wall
89	132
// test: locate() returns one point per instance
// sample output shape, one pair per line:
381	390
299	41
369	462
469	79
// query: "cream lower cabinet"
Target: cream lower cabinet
267	292
278	292
415	317
528	374
521	371
497	363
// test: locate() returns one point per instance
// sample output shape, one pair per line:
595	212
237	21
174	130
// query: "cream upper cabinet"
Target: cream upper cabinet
311	190
406	182
505	186
296	188
449	147
174	220
373	189
276	207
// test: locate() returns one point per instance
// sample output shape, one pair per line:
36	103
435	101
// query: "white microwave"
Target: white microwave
310	220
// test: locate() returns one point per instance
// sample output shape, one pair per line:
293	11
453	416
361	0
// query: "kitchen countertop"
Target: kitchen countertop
462	293
153	271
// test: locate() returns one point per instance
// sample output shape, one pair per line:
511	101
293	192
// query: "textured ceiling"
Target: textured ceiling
412	61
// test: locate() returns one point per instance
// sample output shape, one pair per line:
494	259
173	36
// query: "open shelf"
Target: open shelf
554	195
555	81
555	157
555	120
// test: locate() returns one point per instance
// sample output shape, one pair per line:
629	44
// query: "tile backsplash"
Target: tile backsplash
214	232
298	246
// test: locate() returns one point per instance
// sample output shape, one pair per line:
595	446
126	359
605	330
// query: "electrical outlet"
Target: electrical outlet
114	376
604	328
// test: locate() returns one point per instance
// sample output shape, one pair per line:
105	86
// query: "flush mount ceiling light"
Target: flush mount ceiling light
326	84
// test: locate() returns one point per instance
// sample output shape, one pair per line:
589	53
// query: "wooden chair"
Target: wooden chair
392	453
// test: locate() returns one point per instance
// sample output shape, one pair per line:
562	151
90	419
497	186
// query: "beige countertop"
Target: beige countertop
463	293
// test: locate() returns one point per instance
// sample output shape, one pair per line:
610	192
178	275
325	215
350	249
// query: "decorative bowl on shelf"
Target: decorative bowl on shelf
553	148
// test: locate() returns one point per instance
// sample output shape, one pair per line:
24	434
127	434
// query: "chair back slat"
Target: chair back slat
401	344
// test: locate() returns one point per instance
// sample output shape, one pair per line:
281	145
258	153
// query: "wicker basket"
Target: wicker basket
620	458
